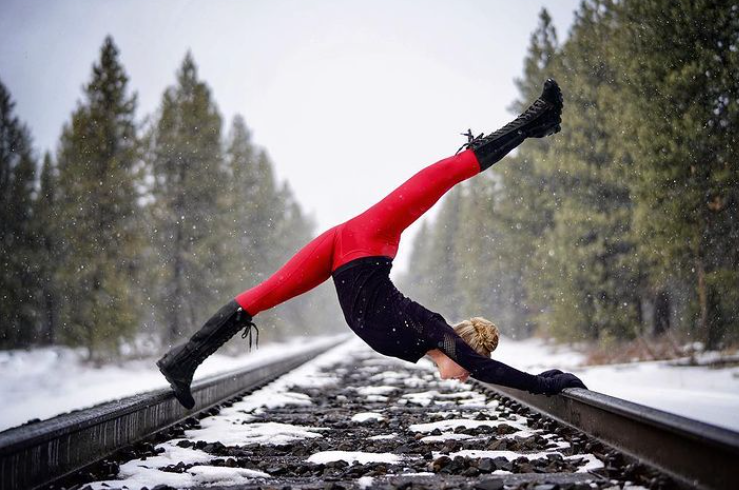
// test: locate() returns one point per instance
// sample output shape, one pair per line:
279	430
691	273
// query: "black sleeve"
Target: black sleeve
485	369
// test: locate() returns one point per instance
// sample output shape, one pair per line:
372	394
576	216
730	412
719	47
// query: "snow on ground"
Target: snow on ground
368	417
234	426
45	382
42	383
701	393
352	456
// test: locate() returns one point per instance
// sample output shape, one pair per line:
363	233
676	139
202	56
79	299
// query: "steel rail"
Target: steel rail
40	453
694	453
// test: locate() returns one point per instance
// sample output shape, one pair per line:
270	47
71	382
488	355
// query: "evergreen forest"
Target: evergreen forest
133	233
624	225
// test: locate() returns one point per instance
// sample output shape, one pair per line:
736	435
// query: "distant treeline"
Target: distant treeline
627	222
140	228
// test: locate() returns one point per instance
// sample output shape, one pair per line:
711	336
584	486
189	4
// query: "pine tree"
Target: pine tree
444	276
414	281
189	201
681	118
531	188
266	227
47	260
17	175
593	287
243	185
98	209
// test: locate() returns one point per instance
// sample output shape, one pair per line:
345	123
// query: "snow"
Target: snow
46	382
377	399
701	393
445	437
217	429
451	424
368	417
377	390
383	437
140	473
195	476
509	455
427	398
365	482
352	456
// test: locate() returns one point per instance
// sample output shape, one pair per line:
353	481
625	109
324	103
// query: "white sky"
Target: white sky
349	97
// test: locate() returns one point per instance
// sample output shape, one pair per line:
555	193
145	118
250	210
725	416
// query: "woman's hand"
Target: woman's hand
551	372
554	381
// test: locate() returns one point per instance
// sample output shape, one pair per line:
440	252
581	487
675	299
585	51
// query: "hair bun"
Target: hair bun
487	333
481	334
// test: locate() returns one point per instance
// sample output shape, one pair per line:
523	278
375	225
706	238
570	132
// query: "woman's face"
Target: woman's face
448	369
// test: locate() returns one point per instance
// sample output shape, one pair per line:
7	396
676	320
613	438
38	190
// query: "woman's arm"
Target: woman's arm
489	370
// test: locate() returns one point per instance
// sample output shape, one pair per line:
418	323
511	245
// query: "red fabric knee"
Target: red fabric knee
305	270
377	231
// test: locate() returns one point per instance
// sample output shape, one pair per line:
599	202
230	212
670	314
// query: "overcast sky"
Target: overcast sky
350	98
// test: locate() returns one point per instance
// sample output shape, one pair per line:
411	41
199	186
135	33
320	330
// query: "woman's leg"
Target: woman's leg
377	231
305	270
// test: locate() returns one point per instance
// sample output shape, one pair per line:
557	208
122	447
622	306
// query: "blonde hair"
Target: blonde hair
481	334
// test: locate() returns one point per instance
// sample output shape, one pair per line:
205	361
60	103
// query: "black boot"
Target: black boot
541	119
179	364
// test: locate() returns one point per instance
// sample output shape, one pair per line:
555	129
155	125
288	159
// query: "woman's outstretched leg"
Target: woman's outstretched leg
305	270
377	231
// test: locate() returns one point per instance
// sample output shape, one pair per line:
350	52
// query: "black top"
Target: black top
397	326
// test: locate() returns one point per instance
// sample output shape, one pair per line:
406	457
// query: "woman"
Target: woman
358	254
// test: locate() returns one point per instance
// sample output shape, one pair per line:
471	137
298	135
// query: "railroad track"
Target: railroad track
353	419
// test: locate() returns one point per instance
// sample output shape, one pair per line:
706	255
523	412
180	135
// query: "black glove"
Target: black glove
555	383
550	373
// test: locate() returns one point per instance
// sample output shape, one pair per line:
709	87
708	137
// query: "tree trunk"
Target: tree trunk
703	326
661	322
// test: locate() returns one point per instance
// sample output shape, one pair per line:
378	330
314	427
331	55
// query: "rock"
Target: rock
440	463
490	484
503	464
486	465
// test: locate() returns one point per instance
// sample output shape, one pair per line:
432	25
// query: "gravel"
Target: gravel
445	435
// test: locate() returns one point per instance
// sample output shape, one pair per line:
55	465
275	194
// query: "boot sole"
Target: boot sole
185	399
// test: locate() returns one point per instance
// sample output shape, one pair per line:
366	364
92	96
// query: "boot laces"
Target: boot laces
470	140
249	328
535	110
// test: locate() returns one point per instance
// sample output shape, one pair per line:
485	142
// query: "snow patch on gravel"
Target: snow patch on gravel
445	437
591	462
383	437
509	455
376	390
365	482
368	417
426	398
139	476
215	429
452	424
352	456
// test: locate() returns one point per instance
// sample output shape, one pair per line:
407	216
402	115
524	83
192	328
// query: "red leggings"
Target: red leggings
374	232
